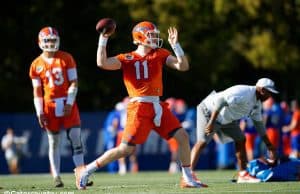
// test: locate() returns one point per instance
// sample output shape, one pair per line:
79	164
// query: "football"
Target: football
108	24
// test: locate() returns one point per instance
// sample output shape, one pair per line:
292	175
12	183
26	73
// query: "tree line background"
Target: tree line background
227	43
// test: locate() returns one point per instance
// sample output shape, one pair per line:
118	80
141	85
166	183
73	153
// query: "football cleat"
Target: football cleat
188	184
198	181
245	177
81	177
58	182
89	183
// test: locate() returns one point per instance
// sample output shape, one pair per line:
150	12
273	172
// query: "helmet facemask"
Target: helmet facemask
153	39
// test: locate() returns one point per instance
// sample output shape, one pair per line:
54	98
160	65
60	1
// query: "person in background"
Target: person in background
112	125
294	128
220	113
247	126
12	147
286	136
272	117
189	123
180	109
55	84
142	76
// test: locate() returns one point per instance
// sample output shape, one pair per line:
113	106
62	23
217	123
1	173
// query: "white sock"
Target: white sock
173	168
54	154
122	168
91	167
242	172
78	160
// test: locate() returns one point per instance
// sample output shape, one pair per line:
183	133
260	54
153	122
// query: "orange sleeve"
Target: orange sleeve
32	71
164	53
72	62
68	58
120	57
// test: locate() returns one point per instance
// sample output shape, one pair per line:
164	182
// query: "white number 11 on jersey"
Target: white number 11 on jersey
138	65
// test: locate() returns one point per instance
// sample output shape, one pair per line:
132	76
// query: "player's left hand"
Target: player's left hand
209	128
67	110
173	36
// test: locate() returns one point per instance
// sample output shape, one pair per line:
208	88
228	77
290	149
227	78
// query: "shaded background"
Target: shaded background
227	42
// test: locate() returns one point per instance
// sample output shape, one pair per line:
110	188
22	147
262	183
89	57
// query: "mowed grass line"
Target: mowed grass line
143	182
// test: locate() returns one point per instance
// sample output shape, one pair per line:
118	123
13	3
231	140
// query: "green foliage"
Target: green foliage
227	43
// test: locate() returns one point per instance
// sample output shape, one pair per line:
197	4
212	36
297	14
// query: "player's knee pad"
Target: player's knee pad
74	136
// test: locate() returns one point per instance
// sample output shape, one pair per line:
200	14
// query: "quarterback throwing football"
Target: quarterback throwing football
142	75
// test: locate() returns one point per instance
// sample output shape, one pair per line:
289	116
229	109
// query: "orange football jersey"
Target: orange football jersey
143	75
54	77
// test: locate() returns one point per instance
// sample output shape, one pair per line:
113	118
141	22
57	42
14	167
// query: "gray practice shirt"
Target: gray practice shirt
240	102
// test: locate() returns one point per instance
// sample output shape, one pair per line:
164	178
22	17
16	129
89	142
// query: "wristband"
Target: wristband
178	50
38	104
72	92
102	40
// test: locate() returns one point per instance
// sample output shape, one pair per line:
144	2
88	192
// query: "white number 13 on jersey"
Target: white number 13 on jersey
138	65
56	78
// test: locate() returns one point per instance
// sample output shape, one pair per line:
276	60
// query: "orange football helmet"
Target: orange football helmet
146	33
49	39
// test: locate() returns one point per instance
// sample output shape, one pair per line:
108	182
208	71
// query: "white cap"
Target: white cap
268	84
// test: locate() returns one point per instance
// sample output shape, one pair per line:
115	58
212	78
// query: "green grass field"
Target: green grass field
142	182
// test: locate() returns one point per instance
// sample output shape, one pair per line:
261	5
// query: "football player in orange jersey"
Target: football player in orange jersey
54	81
142	75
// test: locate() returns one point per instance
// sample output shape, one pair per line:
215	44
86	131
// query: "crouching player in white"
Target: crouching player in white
220	112
54	80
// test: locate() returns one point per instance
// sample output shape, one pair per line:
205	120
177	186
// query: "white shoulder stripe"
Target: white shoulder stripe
36	82
72	74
